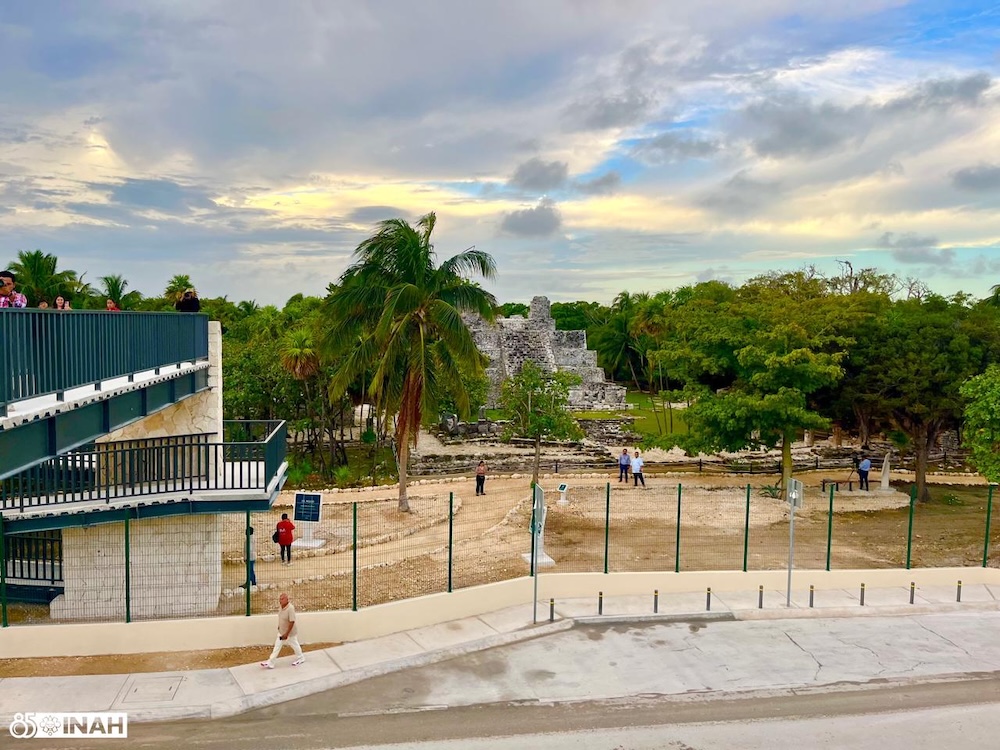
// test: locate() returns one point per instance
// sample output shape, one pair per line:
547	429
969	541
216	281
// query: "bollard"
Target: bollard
656	601
552	610
812	590
708	599
760	597
958	593
913	589
600	602
862	595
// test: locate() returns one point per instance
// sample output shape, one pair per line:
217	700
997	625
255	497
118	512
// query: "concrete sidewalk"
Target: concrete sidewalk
225	692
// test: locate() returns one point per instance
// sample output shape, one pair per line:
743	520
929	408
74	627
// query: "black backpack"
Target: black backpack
274	536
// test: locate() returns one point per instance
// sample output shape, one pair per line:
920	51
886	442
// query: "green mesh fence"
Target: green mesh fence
363	551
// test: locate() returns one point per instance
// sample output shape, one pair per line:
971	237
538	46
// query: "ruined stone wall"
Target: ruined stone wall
510	342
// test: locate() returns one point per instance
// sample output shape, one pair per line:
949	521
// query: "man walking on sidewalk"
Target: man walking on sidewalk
637	471
288	632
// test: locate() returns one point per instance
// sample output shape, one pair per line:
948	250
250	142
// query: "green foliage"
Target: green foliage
38	278
510	309
395	321
771	490
535	402
982	421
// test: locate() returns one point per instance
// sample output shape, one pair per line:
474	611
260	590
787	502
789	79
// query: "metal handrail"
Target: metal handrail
148	466
45	352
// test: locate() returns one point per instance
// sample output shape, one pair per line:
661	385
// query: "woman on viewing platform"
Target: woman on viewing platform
110	306
62	303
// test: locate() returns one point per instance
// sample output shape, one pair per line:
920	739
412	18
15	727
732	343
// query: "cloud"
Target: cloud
984	178
373	214
789	124
162	195
670	147
603	112
603	185
540	221
741	194
539	176
906	241
912	249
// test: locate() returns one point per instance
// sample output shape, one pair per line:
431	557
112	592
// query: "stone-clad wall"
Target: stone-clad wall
510	342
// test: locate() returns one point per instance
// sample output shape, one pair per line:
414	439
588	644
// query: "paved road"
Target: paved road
959	715
801	683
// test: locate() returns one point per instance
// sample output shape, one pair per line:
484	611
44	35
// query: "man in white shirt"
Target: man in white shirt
288	632
637	470
863	468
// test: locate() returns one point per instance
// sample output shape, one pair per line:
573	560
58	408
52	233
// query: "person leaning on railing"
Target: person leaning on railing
9	297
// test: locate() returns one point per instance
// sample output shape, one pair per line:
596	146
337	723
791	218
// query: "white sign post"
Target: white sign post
537	525
794	501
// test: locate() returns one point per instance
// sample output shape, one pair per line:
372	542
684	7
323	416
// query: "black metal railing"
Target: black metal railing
151	466
34	557
44	352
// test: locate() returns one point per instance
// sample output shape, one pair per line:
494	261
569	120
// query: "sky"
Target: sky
590	146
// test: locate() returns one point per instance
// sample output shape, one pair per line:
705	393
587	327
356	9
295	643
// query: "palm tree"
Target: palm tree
397	312
38	277
994	298
178	284
301	361
113	287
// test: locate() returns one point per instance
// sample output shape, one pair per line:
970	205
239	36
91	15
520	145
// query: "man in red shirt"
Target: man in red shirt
285	538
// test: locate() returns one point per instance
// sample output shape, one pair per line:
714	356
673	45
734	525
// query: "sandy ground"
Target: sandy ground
403	555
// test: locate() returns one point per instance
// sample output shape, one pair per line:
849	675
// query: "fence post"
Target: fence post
989	513
249	541
3	576
677	543
128	571
607	524
909	530
354	557
829	527
451	534
746	533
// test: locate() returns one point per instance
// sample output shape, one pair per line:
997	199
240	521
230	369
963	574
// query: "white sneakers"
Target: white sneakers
269	665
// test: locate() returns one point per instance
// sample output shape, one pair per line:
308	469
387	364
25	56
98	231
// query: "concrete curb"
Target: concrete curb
901	610
724	616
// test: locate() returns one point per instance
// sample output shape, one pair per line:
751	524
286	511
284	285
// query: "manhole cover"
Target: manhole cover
151	690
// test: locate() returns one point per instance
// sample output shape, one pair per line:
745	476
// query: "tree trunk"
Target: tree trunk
922	445
538	454
786	458
402	459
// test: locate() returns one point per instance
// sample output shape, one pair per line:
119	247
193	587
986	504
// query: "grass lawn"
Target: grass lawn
641	407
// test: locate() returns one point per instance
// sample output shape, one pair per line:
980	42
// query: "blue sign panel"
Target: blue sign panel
307	506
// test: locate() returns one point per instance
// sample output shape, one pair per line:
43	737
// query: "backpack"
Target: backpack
274	536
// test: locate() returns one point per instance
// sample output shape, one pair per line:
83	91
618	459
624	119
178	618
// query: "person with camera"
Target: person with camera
188	302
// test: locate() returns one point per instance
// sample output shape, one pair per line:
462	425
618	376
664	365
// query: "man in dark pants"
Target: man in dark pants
863	468
623	464
637	471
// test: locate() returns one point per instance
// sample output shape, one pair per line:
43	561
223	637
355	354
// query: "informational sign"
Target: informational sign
563	487
307	507
795	491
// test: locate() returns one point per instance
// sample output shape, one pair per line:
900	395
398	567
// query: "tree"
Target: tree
39	279
926	349
536	403
982	421
396	311
178	284
113	287
786	346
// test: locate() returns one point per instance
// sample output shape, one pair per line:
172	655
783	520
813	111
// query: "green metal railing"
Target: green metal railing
44	352
129	468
